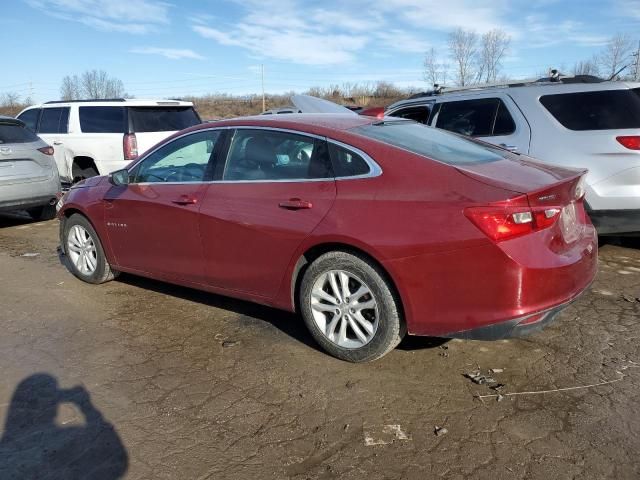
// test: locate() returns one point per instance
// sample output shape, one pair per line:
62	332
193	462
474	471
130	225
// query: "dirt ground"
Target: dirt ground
144	380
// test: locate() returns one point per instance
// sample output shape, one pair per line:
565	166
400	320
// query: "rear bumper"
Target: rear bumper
23	204
20	196
612	222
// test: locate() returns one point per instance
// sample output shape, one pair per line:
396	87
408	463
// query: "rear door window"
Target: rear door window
12	133
419	114
483	117
165	119
603	110
102	119
30	118
54	120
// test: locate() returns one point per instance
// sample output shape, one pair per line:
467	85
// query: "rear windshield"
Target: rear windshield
102	119
154	119
429	142
604	110
11	133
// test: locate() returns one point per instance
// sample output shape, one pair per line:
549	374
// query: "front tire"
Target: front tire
350	307
86	258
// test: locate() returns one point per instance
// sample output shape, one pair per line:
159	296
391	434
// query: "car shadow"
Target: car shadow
34	445
15	219
626	242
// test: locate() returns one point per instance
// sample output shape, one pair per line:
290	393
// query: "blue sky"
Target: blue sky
169	49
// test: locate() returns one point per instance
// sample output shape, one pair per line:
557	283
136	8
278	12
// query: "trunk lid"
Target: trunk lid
23	163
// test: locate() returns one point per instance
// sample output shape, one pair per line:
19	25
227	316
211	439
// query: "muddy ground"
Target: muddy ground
144	380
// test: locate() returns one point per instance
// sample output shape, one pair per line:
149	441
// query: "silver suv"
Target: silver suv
594	125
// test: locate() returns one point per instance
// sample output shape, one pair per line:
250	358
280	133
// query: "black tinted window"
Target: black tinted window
476	117
54	120
419	114
10	133
102	119
347	163
154	119
30	118
604	110
273	155
430	142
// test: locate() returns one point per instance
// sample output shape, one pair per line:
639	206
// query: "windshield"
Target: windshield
430	142
166	119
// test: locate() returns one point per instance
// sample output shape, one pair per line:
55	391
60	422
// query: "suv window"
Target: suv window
12	133
54	120
430	142
347	163
154	119
419	114
274	155
102	119
30	118
479	117
604	110
184	160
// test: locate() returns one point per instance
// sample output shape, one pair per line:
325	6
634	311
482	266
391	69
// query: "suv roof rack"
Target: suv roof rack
88	100
554	77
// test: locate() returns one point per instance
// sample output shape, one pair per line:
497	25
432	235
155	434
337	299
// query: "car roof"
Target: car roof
534	89
116	102
10	120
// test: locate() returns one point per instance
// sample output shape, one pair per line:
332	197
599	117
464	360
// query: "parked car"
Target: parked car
369	228
95	137
28	175
564	122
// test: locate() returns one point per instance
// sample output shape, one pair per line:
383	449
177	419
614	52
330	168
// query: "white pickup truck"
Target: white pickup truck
96	137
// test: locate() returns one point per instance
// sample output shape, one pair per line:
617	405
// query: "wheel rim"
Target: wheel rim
344	309
81	249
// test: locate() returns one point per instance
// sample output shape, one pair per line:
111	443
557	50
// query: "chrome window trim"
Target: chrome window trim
374	169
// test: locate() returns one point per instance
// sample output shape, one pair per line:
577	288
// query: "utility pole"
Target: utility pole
264	105
636	70
30	91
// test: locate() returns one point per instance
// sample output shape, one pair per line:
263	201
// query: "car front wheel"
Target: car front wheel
86	258
350	308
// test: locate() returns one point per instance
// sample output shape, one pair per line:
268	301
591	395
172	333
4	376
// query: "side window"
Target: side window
481	117
274	155
102	119
54	120
419	114
30	118
186	159
347	163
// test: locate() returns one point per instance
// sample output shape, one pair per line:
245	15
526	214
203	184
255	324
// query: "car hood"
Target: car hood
520	174
90	182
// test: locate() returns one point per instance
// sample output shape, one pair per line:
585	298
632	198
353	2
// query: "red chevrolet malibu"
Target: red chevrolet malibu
369	228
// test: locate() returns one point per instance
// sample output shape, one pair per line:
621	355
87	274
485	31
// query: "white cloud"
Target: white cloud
628	8
170	53
542	32
128	16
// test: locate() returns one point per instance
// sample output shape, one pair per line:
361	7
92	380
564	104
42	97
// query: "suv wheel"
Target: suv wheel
349	307
80	173
84	251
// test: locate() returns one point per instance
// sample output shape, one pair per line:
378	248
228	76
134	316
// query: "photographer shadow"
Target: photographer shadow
34	446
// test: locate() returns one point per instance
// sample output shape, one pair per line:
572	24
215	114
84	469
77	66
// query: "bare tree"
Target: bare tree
463	47
587	67
616	55
494	46
10	100
92	85
435	72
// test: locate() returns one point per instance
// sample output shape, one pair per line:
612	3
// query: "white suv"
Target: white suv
594	125
96	137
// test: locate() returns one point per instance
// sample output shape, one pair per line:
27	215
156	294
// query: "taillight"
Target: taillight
632	142
130	146
503	220
46	150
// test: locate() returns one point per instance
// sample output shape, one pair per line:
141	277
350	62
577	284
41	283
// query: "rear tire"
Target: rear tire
84	252
80	173
46	212
350	307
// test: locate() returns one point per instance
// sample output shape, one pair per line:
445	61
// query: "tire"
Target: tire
383	327
77	228
46	212
82	173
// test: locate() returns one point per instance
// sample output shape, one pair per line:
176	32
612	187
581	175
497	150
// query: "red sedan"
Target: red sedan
369	228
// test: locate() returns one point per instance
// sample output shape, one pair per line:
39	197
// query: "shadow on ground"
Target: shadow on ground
34	445
15	219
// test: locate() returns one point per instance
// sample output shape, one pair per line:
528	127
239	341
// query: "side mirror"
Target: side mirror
119	177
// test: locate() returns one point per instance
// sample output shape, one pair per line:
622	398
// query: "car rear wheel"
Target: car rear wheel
46	212
350	308
84	251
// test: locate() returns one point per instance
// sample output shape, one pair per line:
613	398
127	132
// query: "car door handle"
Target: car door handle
295	204
57	142
185	200
511	148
